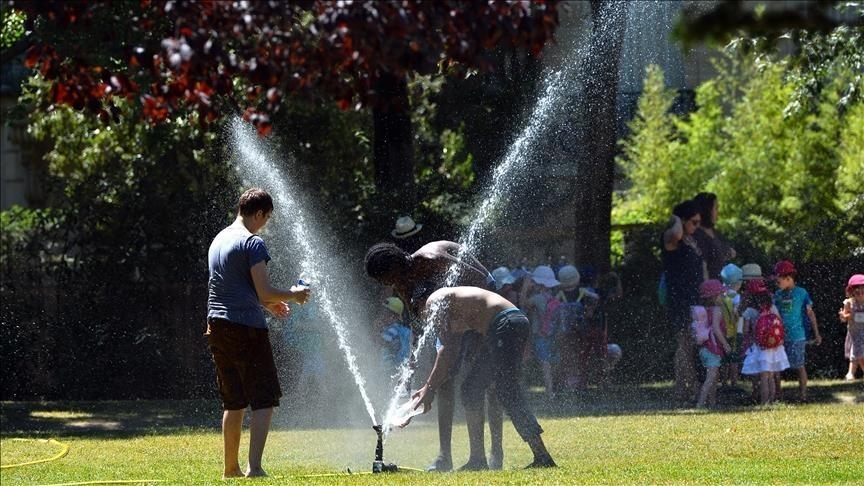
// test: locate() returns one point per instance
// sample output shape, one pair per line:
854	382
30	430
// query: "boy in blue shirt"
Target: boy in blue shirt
239	290
794	302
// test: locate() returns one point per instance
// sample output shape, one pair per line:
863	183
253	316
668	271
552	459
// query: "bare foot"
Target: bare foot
256	473
475	465
234	473
441	464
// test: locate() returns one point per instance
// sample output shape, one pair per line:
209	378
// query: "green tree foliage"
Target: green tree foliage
104	288
11	26
778	139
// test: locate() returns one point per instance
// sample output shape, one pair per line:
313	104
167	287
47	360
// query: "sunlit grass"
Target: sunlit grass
785	443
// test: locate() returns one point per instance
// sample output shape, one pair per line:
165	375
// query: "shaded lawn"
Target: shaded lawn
625	434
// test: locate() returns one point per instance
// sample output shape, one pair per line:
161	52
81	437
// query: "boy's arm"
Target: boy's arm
448	353
814	325
267	294
452	250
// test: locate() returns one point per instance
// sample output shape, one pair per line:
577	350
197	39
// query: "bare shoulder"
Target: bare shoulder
470	297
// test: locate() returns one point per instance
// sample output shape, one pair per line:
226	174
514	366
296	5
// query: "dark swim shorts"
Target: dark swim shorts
245	371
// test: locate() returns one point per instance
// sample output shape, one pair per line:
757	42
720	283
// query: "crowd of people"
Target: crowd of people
729	319
489	324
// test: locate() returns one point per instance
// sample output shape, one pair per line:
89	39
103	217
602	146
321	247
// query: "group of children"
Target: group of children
759	333
568	323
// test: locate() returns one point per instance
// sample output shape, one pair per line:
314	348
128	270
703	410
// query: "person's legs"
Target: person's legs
547	379
853	367
542	458
802	383
474	419
496	429
796	352
473	393
259	427
445	398
778	387
685	368
710	381
766	387
232	424
509	342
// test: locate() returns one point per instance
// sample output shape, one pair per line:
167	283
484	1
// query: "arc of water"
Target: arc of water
517	158
263	169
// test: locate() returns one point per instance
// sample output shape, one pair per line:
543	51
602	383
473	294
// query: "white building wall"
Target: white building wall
14	174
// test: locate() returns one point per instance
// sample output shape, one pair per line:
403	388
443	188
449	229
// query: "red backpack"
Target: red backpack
769	330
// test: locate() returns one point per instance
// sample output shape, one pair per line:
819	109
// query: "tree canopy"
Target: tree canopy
188	55
777	138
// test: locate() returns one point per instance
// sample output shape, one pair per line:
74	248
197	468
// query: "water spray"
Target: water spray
378	465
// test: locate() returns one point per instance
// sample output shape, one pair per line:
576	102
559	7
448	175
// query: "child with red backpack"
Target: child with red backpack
709	332
764	332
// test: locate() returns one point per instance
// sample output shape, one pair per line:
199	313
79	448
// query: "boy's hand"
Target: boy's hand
423	396
301	294
279	310
818	339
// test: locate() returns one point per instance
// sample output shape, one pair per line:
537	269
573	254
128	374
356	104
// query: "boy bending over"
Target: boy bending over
472	312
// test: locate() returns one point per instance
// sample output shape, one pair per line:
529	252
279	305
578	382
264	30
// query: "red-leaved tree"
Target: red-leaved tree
189	57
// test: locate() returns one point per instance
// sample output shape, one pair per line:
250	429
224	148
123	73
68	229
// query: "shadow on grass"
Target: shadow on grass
657	398
123	419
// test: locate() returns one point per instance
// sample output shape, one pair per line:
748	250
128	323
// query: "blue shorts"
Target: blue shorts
709	359
796	353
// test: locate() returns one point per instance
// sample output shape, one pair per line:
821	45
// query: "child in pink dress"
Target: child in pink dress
712	351
852	314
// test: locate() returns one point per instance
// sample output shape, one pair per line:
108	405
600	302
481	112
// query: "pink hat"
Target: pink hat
711	288
757	286
783	267
854	281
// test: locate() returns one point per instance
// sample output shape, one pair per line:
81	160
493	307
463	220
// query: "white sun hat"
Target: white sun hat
502	277
544	275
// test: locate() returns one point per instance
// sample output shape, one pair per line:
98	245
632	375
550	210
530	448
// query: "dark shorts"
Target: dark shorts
245	371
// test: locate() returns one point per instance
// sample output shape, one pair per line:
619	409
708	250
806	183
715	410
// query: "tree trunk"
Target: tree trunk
595	178
393	148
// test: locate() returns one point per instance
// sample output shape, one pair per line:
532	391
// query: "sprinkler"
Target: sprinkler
378	465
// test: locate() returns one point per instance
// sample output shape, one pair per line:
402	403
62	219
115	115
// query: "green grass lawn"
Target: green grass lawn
624	435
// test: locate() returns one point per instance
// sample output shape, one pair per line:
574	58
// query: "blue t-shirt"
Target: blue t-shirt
792	305
398	339
231	291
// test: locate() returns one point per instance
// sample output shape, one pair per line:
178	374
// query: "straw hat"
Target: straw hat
751	271
405	227
569	277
